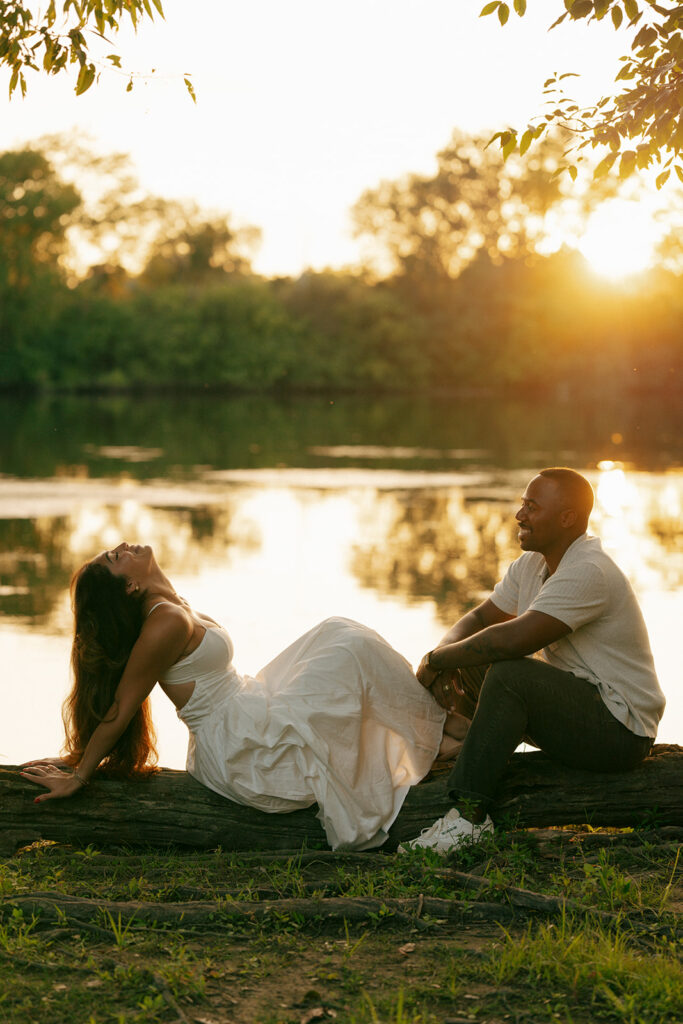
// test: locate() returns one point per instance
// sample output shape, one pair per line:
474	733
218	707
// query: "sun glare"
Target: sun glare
620	239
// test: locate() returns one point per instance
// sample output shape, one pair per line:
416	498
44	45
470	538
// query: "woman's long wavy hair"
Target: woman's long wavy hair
107	622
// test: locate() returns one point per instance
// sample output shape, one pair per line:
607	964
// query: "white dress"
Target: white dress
337	719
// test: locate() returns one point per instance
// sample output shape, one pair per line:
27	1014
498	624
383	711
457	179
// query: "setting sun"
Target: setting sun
620	239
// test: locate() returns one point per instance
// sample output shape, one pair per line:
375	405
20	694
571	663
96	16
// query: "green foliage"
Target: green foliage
578	962
429	228
54	38
641	124
198	250
35	209
381	967
469	303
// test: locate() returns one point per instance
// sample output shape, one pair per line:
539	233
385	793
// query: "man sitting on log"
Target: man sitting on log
590	699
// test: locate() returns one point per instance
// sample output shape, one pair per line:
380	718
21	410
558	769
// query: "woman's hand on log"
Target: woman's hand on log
58	783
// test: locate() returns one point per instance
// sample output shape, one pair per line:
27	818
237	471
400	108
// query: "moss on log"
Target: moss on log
170	808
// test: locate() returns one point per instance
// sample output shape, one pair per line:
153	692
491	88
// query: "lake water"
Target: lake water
273	514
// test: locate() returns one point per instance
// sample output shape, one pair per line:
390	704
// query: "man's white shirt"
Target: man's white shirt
609	645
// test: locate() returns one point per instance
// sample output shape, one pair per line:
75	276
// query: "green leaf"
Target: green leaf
489	8
190	89
526	140
632	10
49	57
617	16
646	36
503	13
86	77
581	9
508	145
601	8
643	156
627	164
605	166
129	87
115	59
520	7
559	20
158	5
498	135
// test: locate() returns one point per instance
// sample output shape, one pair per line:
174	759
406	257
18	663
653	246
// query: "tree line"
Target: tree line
454	295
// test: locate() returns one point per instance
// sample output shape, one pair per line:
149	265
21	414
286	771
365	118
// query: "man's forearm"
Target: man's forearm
492	643
465	627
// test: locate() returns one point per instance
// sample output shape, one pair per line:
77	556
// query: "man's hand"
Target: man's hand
60	784
425	674
446	687
443	684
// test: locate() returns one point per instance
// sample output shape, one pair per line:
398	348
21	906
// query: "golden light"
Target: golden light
620	239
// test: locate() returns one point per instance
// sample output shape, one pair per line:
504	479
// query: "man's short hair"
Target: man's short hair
575	488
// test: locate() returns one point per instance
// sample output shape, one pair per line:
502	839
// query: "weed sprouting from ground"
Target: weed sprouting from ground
376	939
575	964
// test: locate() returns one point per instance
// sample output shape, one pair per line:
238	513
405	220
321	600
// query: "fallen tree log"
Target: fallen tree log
75	911
170	808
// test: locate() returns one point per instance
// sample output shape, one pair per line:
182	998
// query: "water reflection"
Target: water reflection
272	533
39	555
638	517
441	546
445	539
174	436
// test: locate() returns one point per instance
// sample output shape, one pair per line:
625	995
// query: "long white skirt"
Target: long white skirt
337	719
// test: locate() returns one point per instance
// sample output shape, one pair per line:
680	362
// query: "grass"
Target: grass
606	948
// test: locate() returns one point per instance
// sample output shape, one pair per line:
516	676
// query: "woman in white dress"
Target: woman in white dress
338	719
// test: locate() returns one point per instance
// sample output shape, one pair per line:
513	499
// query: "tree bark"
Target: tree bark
171	808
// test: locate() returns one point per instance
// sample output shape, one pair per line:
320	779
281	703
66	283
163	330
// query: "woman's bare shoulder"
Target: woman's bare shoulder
166	620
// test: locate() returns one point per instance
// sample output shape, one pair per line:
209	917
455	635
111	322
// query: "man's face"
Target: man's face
541	515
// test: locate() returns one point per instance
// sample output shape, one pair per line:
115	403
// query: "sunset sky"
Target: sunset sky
301	106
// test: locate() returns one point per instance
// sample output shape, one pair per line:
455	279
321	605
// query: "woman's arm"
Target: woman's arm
160	644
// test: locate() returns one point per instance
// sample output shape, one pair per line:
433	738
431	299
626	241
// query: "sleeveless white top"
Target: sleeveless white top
337	719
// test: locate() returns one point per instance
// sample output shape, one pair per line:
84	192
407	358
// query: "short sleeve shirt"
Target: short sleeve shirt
608	644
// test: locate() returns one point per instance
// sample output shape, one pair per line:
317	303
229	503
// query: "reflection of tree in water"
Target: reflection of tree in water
435	544
34	566
38	556
667	531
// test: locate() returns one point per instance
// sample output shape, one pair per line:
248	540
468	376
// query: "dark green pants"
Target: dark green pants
527	699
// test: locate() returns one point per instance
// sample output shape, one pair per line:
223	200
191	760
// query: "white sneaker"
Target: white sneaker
448	833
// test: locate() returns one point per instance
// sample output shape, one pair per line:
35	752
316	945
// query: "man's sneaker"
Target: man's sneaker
448	833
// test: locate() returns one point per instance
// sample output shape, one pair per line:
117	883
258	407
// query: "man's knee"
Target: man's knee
507	675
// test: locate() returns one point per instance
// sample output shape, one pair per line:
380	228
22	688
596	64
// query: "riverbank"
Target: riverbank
575	925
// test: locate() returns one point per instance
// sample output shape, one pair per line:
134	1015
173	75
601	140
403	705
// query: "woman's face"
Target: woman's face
132	561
